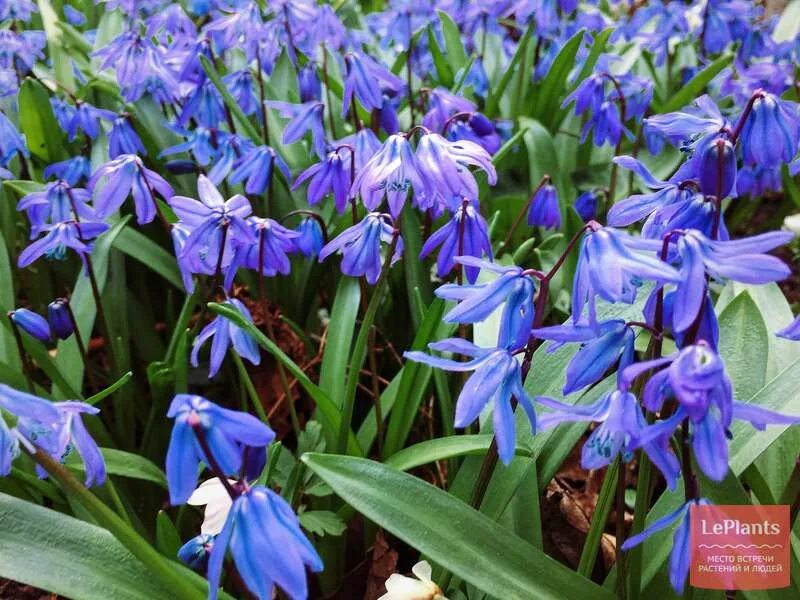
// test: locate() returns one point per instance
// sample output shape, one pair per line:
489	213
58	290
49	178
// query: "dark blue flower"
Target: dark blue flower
242	88
196	551
684	128
226	333
269	254
126	175
497	378
465	234
771	134
199	141
225	431
715	164
257	167
267	545
512	288
360	246
58	316
31	323
544	210
205	105
11	142
586	204
308	83
86	118
310	239
364	80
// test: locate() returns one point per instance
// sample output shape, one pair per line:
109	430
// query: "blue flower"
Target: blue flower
360	246
224	431
621	422
225	334
71	170
365	145
715	164
308	83
586	205
611	265
310	239
59	437
59	237
242	88
11	142
791	331
257	167
196	551
215	226
86	118
741	260
512	288
681	551
304	118
474	242
330	176
21	405
58	316
544	210
268	547
31	323
126	175
602	345
496	378
269	254
123	139
56	203
686	127
364	80
73	16
205	105
198	142
771	133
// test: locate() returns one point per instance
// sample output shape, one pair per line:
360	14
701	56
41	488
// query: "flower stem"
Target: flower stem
82	349
331	120
521	215
101	313
620	529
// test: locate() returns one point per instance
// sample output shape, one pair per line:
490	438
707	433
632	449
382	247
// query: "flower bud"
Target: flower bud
31	323
59	318
716	168
544	210
308	82
770	133
586	205
181	167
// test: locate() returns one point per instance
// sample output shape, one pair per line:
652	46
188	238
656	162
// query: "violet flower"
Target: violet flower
226	334
59	237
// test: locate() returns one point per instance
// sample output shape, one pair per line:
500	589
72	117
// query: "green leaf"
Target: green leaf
333	370
451	533
602	508
9	355
322	522
150	254
168	540
516	62
550	93
453	43
69	557
695	86
443	71
330	414
124	464
443	448
102	394
413	383
23	187
42	133
742	336
57	48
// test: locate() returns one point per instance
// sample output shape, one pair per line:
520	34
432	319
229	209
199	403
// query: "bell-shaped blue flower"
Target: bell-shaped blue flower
304	118
497	378
123	138
310	238
715	166
512	288
364	80
21	405
31	323
57	202
267	545
544	210
59	237
257	167
196	552
771	133
329	176
225	432
226	333
59	318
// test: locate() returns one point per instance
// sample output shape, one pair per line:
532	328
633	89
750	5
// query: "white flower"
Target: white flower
400	587
213	495
792	223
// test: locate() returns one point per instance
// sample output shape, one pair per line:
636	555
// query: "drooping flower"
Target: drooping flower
360	246
217	228
59	237
497	378
257	166
11	141
123	138
269	254
226	333
512	288
744	260
59	318
59	437
34	324
364	80
267	545
126	175
611	265
86	118
225	431
21	405
303	118
586	205
715	164
56	203
771	134
680	554
329	176
466	234
310	239
686	127
544	210
71	170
